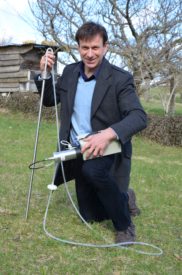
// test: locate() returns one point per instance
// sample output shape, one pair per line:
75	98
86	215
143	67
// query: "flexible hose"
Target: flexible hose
112	245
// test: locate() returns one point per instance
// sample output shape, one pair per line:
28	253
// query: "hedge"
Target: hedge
164	130
27	103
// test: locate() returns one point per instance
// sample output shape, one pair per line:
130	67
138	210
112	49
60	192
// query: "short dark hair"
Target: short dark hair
89	30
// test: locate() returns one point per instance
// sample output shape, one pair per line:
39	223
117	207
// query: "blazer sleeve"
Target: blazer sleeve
134	118
48	99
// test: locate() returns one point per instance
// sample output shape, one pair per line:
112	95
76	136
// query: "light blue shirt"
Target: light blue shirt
81	117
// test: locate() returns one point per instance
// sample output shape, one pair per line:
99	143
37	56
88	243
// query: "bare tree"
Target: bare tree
145	35
58	20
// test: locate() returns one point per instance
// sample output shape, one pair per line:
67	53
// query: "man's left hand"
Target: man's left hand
96	144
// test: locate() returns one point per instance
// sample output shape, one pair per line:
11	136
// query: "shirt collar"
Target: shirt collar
95	74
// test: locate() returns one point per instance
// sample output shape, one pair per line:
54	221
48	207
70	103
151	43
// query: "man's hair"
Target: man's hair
89	30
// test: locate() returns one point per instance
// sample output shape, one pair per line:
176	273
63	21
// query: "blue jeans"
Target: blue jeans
98	194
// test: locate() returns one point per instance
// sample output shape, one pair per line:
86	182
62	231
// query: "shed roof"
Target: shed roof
31	45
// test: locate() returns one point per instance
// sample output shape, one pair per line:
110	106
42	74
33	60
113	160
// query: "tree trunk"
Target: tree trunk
137	80
171	105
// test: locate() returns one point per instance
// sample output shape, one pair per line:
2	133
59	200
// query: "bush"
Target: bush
164	130
27	103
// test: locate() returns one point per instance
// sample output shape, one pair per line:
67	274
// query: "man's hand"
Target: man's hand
50	61
96	144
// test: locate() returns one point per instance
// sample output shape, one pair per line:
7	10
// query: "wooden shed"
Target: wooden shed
18	66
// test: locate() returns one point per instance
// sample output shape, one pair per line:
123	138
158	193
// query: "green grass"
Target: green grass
24	247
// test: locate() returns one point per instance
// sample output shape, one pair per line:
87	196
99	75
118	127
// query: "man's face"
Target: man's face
92	52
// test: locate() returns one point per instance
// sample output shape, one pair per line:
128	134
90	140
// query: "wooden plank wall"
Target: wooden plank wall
15	66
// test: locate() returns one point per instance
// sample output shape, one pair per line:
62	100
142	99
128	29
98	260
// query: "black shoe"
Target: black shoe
127	235
133	208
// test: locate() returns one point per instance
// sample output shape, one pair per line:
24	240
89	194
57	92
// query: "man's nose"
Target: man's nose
90	53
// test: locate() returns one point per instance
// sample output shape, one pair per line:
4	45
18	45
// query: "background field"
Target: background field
153	102
24	247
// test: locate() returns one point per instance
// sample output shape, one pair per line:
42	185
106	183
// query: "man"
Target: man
97	97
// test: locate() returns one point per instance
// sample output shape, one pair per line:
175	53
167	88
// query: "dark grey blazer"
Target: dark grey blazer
115	104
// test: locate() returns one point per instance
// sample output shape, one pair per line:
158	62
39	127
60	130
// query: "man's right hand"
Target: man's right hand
50	61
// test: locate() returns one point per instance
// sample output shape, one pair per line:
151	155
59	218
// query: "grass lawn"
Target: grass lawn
24	247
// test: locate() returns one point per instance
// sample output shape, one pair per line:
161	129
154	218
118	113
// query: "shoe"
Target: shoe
133	208
127	235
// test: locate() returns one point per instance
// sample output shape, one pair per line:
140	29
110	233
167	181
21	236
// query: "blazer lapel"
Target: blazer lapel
72	88
102	85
